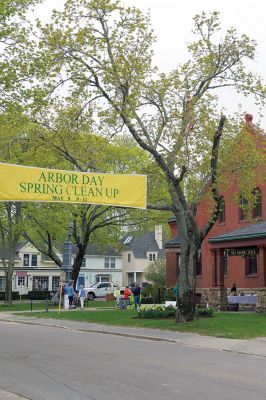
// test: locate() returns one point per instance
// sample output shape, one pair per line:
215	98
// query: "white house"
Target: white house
138	252
100	264
35	271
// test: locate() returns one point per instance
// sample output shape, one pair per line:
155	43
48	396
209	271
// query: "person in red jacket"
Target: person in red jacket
127	294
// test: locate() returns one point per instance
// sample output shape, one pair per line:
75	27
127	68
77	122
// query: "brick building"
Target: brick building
234	251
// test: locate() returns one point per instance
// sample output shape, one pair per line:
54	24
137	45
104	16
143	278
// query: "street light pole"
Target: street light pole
67	254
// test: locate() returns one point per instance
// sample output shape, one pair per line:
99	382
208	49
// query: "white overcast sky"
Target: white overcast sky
172	24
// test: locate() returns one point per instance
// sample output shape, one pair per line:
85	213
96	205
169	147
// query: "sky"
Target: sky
172	21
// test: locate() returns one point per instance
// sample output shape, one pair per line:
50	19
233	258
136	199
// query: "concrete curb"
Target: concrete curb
11	396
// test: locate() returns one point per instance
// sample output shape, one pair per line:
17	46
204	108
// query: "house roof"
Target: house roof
4	254
254	231
175	242
98	250
92	249
141	245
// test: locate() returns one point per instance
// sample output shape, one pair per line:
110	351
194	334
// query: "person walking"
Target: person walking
82	296
70	293
136	292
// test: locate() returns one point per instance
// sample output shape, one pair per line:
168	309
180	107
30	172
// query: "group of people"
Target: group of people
70	296
123	300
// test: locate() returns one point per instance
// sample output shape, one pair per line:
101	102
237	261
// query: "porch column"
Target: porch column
262	265
220	267
213	273
218	293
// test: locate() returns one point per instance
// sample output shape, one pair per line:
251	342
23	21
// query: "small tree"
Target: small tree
156	272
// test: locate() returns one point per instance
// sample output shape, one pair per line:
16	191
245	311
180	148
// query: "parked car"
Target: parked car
99	289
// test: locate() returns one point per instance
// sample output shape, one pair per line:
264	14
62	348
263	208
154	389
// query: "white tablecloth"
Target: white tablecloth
249	299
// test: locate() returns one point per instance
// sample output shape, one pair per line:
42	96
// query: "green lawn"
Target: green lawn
228	325
40	305
24	306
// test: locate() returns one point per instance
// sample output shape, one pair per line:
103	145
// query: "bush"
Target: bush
147	300
169	295
206	312
15	296
39	295
156	311
152	295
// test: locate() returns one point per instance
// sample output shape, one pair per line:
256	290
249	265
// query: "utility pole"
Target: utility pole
67	254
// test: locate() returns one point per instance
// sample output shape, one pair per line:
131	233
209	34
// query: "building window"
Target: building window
102	278
152	256
29	260
177	265
221	216
225	262
257	210
26	260
21	281
2	283
40	282
243	203
55	282
129	257
251	265
109	262
198	264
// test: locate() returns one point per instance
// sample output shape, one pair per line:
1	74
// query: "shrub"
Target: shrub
152	295
169	295
206	312
156	311
15	296
39	295
147	300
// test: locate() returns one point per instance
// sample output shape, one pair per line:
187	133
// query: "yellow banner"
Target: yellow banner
20	183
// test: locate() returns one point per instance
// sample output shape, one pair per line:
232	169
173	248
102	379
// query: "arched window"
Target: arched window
257	210
198	263
225	262
221	216
243	203
251	265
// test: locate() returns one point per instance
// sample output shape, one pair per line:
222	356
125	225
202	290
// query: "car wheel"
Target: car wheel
91	296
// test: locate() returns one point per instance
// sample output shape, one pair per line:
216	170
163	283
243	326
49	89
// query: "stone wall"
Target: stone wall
216	298
261	300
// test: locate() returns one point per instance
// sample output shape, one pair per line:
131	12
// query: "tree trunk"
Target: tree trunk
188	243
77	264
8	289
186	300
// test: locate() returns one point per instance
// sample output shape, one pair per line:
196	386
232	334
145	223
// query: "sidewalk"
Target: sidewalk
255	347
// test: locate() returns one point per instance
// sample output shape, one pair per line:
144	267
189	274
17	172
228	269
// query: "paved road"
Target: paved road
42	363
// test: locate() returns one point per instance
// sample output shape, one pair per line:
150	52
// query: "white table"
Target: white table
248	299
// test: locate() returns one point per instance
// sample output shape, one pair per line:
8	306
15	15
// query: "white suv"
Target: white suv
99	289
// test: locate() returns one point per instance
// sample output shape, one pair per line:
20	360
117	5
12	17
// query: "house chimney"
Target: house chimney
159	236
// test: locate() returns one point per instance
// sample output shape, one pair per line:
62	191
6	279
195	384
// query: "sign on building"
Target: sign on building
243	252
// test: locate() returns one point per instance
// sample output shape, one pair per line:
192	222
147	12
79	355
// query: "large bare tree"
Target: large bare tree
104	52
